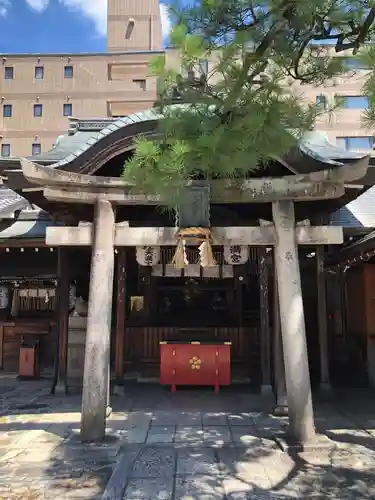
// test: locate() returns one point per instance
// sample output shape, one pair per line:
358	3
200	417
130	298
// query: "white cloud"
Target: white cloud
95	10
4	7
38	5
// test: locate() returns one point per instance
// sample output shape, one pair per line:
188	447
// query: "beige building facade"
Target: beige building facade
39	92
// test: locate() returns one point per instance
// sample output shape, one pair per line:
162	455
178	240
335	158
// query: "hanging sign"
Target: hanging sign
4	297
236	254
148	256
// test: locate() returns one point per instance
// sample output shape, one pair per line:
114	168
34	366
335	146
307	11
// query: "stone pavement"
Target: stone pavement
192	445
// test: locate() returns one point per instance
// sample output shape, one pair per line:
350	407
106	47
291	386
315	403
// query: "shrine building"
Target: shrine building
247	282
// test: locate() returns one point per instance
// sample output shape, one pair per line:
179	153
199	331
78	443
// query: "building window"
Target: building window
38	110
8	73
67	110
36	149
203	66
353	101
352	143
7	110
141	84
68	71
321	101
5	150
39	72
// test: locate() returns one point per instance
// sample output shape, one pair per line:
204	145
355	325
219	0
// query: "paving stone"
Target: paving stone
121	472
237	489
202	487
240	419
164	418
197	461
192	435
136	435
138	419
244	465
333	423
161	434
182	418
149	489
245	435
217	434
154	462
220	418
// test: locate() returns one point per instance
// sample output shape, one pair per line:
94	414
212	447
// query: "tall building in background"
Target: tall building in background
133	25
39	92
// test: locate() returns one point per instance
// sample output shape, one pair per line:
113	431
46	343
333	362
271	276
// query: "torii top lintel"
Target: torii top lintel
71	187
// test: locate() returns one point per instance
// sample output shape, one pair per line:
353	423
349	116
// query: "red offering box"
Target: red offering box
194	363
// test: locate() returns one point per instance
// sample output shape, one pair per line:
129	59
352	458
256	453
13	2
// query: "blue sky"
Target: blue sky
52	26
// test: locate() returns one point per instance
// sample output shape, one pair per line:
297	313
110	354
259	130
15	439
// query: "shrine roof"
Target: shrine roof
314	151
10	202
359	213
361	250
26	229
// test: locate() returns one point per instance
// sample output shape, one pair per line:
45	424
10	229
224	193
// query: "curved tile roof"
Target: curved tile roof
68	148
317	145
10	202
359	213
94	138
27	229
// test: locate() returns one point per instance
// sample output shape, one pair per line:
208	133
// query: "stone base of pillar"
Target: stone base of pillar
281	408
292	447
60	389
267	391
280	411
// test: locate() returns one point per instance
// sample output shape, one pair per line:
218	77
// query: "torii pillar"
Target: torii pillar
98	333
297	375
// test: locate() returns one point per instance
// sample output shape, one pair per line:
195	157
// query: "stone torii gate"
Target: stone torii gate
282	233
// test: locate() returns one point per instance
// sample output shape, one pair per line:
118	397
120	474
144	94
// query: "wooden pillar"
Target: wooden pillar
297	376
97	352
322	320
120	315
60	384
265	341
281	408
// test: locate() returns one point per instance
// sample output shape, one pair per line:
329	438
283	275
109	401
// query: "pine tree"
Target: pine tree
240	114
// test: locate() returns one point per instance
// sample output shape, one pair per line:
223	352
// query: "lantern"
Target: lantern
148	256
4	297
236	254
